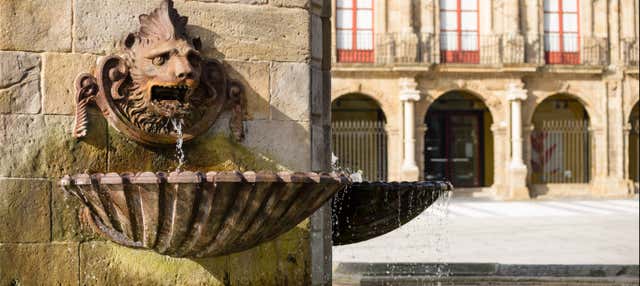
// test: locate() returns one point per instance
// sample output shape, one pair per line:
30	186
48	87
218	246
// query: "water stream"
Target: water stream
177	126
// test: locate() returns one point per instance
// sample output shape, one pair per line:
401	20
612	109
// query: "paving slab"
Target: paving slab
562	232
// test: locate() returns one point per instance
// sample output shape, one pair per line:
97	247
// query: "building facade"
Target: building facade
506	99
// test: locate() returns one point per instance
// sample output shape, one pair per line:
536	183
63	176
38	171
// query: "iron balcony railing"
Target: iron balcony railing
571	49
472	48
467	48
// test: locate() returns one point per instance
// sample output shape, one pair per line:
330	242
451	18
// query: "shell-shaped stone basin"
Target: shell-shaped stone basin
191	214
369	209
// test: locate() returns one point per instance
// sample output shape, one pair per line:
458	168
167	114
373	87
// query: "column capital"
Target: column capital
408	89
515	92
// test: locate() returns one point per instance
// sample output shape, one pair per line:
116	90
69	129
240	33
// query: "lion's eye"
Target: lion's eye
194	59
159	60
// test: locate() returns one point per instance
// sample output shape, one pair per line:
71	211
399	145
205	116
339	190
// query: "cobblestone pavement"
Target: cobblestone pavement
536	232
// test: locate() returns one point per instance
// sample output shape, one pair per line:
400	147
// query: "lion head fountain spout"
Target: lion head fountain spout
160	77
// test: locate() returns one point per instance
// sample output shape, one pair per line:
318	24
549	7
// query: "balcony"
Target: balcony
573	50
449	48
484	50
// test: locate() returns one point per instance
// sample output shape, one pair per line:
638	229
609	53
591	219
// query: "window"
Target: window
561	32
354	30
459	31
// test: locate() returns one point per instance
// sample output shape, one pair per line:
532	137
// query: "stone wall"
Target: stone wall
276	48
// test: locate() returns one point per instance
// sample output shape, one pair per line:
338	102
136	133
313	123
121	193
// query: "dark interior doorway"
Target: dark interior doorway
458	141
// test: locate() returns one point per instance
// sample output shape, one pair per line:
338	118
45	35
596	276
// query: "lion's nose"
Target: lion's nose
183	70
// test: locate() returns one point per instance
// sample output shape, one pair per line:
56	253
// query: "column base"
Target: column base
517	183
611	188
410	172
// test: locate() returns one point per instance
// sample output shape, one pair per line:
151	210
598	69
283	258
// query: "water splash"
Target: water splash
440	238
177	127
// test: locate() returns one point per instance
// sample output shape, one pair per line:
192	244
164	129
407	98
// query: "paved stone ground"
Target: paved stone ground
537	232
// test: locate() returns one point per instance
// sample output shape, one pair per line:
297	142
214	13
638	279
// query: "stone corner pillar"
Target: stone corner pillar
516	170
409	94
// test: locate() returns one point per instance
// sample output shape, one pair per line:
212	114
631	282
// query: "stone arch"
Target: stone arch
561	145
365	90
628	109
359	135
459	139
364	96
492	102
594	119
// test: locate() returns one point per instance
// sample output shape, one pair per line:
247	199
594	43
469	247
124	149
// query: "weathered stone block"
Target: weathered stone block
65	217
290	84
24	210
24	136
68	155
100	25
256	266
126	155
19	82
39	264
104	263
5	149
252	2
42	146
245	32
254	76
294	250
291	3
59	75
266	137
5	102
35	25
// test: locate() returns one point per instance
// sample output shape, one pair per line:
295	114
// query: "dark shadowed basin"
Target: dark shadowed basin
191	214
370	209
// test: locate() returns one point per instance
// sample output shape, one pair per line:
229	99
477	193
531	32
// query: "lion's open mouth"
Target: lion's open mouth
170	100
169	92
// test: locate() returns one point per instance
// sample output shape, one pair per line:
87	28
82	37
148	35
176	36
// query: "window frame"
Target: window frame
561	56
355	54
460	55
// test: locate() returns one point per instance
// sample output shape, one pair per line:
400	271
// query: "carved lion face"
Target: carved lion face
160	76
167	75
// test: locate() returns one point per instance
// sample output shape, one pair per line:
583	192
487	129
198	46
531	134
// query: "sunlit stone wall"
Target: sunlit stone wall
277	48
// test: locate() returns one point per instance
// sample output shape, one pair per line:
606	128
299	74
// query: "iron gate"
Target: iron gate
561	152
361	145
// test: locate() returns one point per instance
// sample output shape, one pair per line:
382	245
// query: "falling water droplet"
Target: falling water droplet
177	126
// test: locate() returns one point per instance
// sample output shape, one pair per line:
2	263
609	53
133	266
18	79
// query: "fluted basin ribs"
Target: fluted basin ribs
190	214
370	209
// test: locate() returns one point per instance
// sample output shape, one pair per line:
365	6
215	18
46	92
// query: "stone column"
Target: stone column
517	171
409	95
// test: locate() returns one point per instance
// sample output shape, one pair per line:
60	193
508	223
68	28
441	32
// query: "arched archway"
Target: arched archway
634	146
458	142
560	141
359	138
